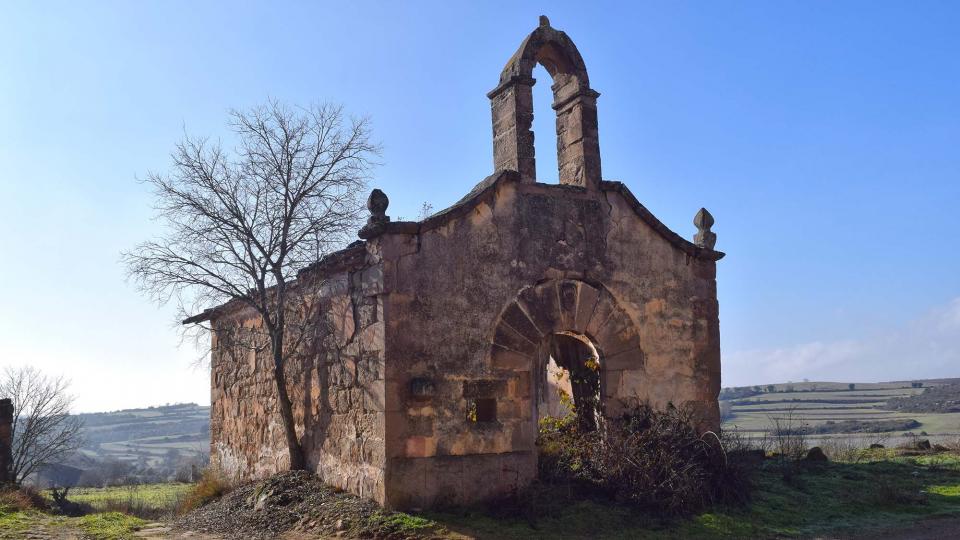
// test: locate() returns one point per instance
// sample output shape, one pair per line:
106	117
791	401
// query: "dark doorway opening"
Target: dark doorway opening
571	381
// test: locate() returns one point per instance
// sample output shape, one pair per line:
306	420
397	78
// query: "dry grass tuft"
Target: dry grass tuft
212	486
15	500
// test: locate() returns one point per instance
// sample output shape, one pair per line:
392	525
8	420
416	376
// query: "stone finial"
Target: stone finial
704	238
544	21
377	204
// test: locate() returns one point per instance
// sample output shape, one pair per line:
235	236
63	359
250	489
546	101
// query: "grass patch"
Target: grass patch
147	500
101	526
819	499
398	523
110	525
14	523
17	521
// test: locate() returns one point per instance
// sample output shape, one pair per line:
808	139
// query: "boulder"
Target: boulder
816	454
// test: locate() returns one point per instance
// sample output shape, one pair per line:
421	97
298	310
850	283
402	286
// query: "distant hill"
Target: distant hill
152	444
734	392
937	399
147	434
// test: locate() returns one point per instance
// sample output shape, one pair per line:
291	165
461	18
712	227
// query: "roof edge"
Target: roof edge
489	185
340	260
678	241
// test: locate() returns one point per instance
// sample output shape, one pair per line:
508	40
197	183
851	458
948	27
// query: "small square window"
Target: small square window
481	410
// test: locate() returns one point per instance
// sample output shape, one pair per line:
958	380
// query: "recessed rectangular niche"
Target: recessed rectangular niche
481	410
421	388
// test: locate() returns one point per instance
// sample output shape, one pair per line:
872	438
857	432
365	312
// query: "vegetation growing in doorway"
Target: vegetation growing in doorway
647	458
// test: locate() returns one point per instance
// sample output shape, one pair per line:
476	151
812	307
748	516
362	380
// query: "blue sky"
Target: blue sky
823	136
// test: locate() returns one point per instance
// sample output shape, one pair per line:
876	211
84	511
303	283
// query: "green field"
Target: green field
817	403
152	500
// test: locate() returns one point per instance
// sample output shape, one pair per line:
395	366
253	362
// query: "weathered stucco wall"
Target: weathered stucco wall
335	381
574	260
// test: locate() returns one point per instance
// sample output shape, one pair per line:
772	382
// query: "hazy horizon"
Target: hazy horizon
822	137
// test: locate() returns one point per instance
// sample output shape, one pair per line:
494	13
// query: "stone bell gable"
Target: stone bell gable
438	344
578	146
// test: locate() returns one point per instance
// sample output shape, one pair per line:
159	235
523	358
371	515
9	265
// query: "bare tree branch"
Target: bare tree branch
240	224
43	429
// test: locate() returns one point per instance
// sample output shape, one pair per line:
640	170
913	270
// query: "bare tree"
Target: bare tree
789	433
43	430
240	224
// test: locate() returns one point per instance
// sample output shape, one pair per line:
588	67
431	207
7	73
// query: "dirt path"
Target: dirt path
42	532
160	530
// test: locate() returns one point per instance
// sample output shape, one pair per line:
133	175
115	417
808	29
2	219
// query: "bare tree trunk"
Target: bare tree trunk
297	462
242	224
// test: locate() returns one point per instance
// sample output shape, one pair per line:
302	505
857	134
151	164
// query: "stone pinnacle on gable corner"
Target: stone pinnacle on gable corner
704	238
377	204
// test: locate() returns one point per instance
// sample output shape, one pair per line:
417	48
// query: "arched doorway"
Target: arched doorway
559	328
570	378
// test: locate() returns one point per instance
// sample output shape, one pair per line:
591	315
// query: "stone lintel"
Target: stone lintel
509	83
583	95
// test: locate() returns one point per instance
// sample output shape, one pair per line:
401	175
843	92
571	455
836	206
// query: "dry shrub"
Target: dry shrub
736	442
131	507
212	486
24	498
63	505
953	444
789	433
842	449
652	459
889	493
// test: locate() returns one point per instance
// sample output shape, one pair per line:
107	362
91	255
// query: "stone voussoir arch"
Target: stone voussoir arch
566	306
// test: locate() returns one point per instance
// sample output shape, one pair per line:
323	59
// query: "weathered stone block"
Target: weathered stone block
628	359
420	446
484	388
518	320
508	338
506	359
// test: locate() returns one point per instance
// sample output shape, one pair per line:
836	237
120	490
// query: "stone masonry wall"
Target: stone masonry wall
571	259
423	376
335	381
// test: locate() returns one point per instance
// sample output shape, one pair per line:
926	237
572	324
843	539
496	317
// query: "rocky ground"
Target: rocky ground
298	504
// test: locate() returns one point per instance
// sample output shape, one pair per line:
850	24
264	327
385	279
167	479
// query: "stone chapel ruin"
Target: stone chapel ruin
437	345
